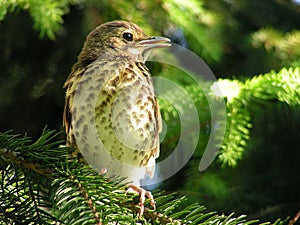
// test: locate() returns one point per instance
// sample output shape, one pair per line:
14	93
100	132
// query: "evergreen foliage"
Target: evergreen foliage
47	15
241	101
284	46
283	87
41	186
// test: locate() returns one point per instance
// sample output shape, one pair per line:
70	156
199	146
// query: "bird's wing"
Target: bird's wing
71	85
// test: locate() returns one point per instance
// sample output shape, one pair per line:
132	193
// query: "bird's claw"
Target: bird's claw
143	194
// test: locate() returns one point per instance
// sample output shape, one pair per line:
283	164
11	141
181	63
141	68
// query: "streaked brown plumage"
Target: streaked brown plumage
110	101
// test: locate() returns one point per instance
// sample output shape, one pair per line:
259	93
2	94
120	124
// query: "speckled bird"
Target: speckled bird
111	112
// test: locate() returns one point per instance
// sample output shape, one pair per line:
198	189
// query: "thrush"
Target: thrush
111	113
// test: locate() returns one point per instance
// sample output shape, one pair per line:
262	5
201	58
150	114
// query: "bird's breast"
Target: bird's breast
125	115
115	110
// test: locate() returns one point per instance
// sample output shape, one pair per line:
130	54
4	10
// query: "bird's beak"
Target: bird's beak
155	42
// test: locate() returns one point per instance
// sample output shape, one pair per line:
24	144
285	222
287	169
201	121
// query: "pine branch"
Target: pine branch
25	179
242	98
295	218
74	193
285	47
47	15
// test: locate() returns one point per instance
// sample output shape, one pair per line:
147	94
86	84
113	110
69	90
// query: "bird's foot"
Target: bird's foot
143	194
103	171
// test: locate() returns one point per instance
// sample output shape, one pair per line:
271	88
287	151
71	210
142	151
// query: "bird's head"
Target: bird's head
119	40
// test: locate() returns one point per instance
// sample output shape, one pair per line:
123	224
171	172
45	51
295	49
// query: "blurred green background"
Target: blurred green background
238	39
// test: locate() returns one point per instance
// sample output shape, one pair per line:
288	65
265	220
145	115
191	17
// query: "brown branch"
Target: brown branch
35	167
294	220
151	214
88	200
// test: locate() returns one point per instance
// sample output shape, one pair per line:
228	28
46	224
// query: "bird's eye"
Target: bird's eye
128	36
